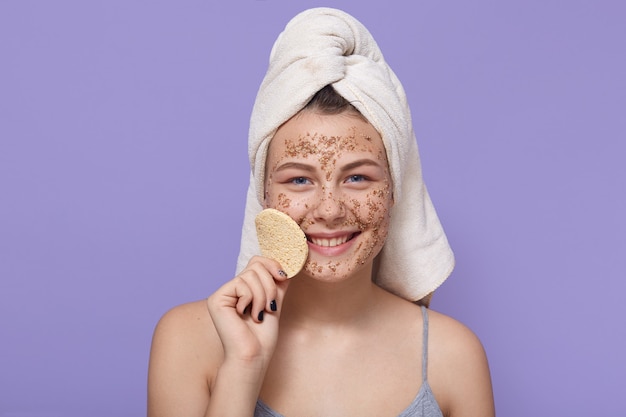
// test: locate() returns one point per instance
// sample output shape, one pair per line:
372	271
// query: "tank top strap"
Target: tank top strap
425	345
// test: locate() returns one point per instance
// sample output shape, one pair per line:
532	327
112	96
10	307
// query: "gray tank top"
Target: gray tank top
424	404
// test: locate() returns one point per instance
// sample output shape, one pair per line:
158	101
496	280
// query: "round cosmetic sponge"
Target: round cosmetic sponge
281	239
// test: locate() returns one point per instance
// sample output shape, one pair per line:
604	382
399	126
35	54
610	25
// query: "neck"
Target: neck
312	302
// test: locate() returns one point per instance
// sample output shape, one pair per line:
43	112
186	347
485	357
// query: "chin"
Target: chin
334	271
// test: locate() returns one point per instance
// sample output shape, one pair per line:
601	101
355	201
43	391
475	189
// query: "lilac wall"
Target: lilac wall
123	169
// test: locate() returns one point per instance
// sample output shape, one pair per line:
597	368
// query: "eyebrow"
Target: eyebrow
295	165
359	163
310	168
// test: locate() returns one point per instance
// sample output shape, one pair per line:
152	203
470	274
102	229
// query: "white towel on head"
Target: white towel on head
325	46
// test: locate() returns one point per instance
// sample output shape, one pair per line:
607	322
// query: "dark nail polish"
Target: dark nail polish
282	273
261	316
273	306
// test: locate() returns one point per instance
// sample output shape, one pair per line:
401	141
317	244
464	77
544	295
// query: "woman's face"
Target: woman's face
330	174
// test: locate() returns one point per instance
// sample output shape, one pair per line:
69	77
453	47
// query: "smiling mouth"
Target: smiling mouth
331	242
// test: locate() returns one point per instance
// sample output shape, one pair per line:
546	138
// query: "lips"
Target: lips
330	242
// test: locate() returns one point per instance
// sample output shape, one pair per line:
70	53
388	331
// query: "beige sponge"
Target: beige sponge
281	239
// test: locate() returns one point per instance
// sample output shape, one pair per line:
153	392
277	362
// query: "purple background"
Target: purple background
123	169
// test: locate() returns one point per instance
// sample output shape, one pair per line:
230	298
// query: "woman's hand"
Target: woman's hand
246	310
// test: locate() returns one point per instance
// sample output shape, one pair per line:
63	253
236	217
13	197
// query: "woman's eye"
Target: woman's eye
356	178
299	181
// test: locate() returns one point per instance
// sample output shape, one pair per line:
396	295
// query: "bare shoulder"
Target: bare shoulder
458	369
188	330
184	356
451	337
185	318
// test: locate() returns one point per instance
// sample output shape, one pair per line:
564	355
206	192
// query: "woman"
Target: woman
331	145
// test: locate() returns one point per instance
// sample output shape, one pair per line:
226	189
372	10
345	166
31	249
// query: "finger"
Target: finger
271	277
243	294
268	273
281	291
254	280
269	284
271	265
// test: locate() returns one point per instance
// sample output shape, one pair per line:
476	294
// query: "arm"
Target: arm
460	372
184	349
209	358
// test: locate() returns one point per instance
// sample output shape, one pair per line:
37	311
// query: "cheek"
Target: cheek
372	212
296	206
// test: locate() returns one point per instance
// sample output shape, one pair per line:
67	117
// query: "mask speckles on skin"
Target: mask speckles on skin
376	216
327	148
283	201
365	212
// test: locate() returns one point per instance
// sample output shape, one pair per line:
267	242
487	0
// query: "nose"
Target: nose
330	206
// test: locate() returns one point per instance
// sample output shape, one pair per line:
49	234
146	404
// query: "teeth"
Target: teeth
335	241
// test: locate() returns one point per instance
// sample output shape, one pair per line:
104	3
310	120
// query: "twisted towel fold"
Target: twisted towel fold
325	46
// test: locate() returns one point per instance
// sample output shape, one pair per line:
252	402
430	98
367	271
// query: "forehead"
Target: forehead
310	133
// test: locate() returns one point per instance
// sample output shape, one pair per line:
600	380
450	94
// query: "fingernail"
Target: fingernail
282	273
273	306
261	316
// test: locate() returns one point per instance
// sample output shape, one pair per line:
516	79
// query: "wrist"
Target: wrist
236	388
245	370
